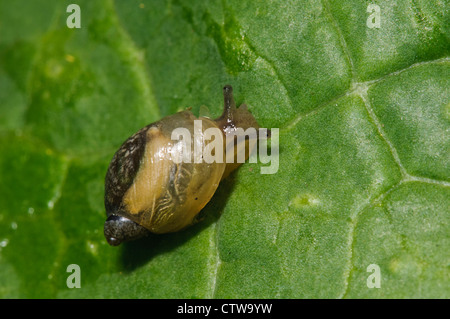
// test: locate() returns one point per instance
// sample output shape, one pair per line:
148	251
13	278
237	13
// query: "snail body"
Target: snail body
146	191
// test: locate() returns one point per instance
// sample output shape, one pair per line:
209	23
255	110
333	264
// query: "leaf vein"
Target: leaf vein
214	241
356	86
342	40
362	92
351	236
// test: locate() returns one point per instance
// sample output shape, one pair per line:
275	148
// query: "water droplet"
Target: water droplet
31	211
69	58
92	247
304	200
4	242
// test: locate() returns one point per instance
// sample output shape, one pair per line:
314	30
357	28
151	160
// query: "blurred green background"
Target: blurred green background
364	118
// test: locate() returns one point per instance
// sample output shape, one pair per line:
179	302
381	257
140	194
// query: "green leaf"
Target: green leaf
364	149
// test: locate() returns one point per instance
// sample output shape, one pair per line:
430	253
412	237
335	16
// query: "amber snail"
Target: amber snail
147	192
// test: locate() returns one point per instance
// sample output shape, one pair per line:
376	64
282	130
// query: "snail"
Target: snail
146	191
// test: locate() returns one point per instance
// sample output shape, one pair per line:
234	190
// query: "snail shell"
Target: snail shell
146	191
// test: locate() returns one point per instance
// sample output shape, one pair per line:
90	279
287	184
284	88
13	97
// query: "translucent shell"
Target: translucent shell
146	190
166	196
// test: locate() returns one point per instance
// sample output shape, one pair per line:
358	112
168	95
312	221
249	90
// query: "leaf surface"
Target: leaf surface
364	147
